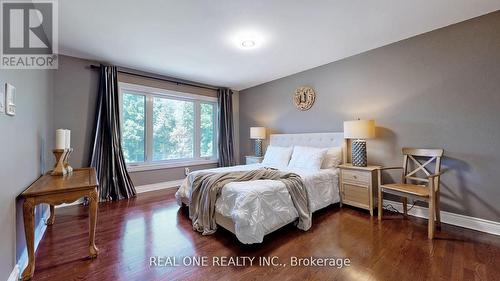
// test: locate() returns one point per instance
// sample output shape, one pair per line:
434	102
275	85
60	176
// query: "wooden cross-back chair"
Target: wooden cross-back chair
421	188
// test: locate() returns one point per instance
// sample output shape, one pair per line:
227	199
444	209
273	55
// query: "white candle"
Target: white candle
60	139
68	138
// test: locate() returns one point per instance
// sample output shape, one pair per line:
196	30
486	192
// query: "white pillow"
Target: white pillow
333	158
277	156
308	158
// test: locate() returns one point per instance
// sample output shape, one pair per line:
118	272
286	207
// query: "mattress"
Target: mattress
261	206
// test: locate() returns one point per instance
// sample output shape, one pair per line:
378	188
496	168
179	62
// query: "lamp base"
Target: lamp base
358	153
258	147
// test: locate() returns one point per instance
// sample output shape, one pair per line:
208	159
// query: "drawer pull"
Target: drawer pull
355	176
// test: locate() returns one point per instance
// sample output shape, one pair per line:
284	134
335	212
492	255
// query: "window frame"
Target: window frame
150	93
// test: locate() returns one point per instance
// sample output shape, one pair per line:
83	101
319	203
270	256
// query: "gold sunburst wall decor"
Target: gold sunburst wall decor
304	98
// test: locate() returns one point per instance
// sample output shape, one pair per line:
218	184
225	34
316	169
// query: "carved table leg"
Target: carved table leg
50	220
93	197
29	232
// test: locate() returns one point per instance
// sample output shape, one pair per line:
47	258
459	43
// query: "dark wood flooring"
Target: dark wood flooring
131	231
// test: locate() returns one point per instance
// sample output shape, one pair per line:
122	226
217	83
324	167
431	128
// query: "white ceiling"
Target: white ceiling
194	40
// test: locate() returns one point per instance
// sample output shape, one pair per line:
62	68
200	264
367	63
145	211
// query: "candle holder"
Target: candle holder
61	156
68	168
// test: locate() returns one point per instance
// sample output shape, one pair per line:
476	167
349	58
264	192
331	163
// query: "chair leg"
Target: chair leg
438	210
405	206
431	217
380	205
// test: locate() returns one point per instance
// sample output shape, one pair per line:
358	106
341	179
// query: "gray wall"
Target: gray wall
25	140
439	89
75	95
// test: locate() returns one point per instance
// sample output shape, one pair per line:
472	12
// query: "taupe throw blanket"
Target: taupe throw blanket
206	188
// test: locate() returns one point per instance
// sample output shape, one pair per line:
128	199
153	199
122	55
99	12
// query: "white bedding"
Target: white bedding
258	207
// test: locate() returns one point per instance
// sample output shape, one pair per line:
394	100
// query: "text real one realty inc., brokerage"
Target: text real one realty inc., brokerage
231	261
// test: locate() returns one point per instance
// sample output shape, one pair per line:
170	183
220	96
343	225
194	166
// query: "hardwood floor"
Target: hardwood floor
130	231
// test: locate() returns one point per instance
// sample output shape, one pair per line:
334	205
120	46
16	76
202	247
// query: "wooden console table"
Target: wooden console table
55	190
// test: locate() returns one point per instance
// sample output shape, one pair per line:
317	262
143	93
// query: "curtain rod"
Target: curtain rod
92	66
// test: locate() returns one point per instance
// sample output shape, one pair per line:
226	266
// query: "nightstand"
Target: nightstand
358	186
253	159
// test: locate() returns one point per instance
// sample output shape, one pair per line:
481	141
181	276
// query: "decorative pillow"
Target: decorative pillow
309	158
333	158
277	156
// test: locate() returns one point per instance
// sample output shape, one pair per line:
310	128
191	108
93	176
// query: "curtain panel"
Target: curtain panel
107	156
225	142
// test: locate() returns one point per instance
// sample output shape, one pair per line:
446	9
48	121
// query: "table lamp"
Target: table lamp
359	131
258	134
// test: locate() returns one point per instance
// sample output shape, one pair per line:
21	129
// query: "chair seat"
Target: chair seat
418	190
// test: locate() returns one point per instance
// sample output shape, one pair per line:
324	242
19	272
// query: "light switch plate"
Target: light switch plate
10	99
2	101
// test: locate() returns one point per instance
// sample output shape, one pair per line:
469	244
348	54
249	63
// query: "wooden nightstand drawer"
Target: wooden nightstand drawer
356	177
357	194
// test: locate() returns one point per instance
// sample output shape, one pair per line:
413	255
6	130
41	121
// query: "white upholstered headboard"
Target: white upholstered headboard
312	139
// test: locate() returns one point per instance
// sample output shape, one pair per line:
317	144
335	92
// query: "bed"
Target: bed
253	209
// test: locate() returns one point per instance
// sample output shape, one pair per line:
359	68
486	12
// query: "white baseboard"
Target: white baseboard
158	186
478	224
14	275
139	189
39	231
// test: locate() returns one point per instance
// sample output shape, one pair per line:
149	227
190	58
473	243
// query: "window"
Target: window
207	121
133	126
173	129
166	128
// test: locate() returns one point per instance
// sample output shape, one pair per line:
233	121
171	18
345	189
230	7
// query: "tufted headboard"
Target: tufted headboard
312	139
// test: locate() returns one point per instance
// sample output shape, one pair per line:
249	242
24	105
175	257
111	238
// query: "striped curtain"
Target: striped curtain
225	143
107	155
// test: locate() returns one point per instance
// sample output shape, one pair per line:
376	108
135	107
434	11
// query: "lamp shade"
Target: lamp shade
359	129
258	133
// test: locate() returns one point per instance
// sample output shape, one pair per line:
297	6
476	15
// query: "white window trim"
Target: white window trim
173	164
149	93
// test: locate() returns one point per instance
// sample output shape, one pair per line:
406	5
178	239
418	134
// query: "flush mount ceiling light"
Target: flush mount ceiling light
248	44
247	39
